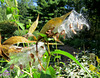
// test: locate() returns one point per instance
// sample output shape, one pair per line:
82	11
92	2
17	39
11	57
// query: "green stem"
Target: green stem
57	54
31	69
23	71
15	22
49	56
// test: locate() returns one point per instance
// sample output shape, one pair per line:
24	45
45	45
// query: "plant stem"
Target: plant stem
31	68
49	55
23	71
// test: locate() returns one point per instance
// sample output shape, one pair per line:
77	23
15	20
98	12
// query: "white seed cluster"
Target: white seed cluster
75	22
28	55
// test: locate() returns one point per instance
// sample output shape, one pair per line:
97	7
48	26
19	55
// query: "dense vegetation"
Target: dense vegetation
16	17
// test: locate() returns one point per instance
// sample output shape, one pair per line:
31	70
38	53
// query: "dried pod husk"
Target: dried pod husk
32	56
21	66
12	66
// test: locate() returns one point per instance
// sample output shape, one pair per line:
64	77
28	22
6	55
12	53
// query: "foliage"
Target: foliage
73	70
7	26
33	58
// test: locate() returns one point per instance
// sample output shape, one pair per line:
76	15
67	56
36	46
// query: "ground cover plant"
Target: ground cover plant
29	54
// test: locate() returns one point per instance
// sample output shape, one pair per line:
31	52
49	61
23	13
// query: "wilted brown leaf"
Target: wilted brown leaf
16	39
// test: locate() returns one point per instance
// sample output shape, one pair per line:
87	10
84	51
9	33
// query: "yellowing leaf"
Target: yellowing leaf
98	60
34	25
98	73
92	68
16	39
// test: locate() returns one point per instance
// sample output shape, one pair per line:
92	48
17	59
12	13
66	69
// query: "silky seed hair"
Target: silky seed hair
73	24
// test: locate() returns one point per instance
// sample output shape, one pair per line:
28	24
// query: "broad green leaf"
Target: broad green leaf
21	25
11	0
42	35
16	76
36	75
57	57
52	72
9	16
8	10
18	72
23	76
16	16
49	73
1	71
45	75
50	39
2	1
2	61
33	26
71	57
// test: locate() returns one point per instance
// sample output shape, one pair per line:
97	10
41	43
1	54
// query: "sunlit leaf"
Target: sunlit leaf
2	61
34	25
9	16
2	1
42	35
71	57
0	38
49	73
8	10
23	76
18	72
52	72
36	75
16	39
97	59
92	68
21	25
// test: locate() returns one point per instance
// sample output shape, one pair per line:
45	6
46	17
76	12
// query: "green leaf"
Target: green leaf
21	25
71	57
57	57
50	39
36	75
45	75
2	1
42	35
2	61
52	72
8	10
49	73
16	16
23	76
18	72
11	0
9	16
4	69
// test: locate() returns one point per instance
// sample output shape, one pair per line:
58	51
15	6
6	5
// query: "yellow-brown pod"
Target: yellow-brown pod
53	23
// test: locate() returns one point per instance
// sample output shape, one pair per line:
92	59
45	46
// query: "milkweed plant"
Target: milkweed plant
33	58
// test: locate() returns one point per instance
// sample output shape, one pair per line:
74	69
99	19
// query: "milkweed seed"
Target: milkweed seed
21	66
32	55
12	66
